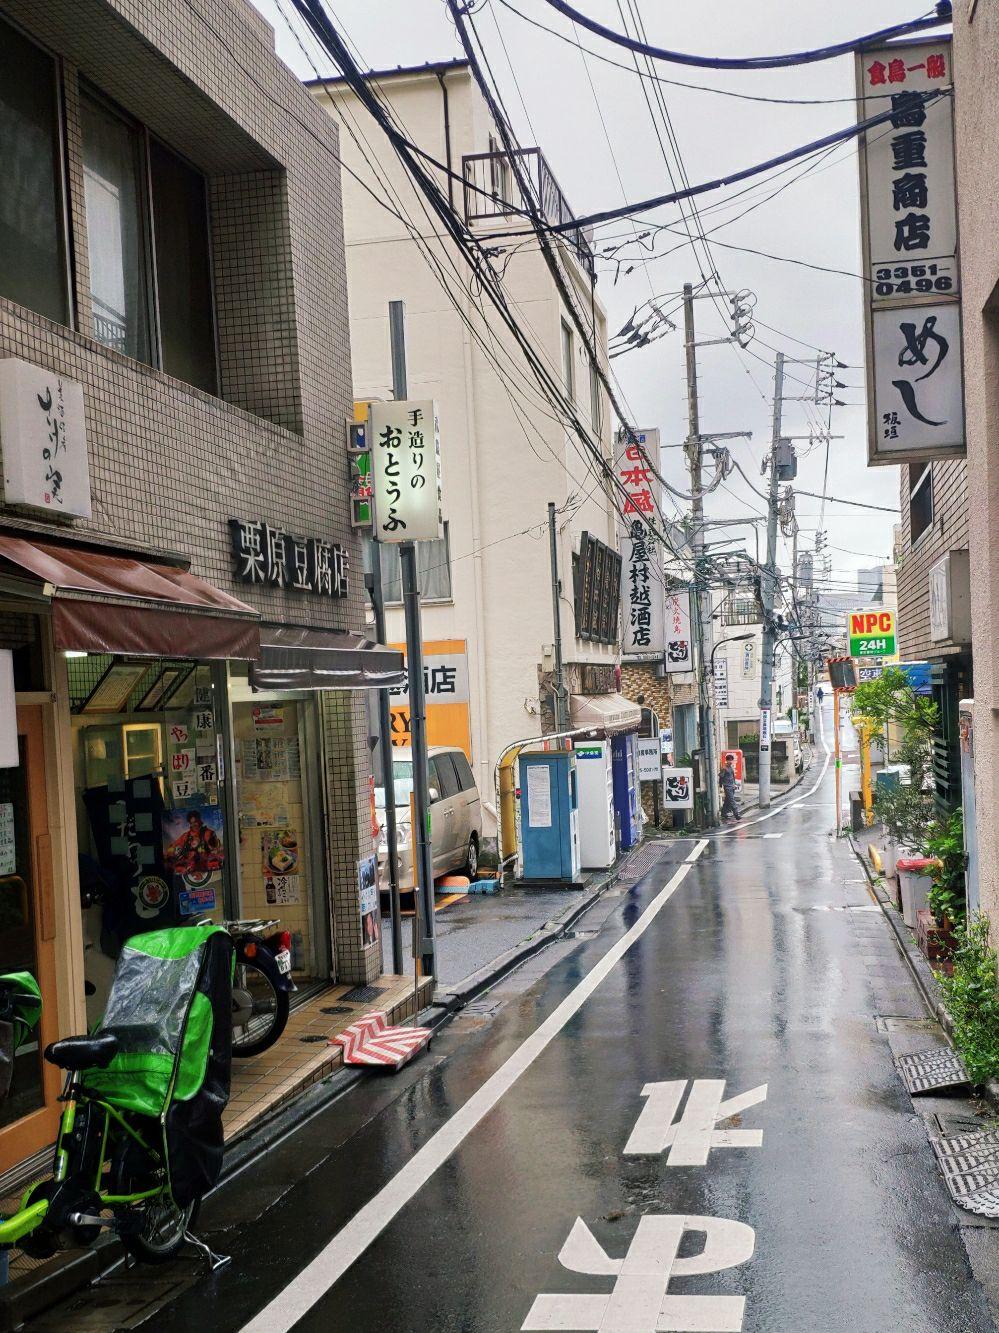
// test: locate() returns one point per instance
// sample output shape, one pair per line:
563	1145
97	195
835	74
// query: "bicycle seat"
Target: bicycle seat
76	1053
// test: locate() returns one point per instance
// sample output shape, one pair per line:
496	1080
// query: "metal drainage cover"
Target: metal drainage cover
482	1008
641	862
337	1009
361	994
929	1071
313	1036
970	1167
581	934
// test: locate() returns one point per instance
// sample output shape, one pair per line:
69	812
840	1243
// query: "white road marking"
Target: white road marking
351	1241
691	1138
639	1301
772	835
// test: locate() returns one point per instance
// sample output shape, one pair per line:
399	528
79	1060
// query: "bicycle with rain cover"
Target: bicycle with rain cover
140	1137
20	1009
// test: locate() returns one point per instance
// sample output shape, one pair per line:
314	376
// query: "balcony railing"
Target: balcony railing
492	191
742	611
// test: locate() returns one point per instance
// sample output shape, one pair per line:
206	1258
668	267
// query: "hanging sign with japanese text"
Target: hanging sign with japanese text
679	646
44	440
445	684
405	444
643	591
269	556
909	224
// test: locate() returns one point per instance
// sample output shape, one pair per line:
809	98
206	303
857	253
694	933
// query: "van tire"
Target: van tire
471	866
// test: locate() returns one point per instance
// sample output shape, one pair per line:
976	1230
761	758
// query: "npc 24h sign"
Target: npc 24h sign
872	633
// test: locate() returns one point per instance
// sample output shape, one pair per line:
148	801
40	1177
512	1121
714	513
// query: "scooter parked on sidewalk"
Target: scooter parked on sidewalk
140	1139
262	987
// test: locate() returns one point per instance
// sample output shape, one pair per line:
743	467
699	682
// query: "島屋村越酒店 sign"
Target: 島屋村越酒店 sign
872	633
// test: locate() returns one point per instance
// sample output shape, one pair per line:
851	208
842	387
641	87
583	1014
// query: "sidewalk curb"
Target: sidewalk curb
921	971
455	997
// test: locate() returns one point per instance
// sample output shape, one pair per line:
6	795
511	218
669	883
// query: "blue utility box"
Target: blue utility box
627	800
548	818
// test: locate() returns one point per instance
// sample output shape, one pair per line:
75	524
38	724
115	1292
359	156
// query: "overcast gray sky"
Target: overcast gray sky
545	86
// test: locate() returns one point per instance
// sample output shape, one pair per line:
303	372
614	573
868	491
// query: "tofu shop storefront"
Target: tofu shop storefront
166	754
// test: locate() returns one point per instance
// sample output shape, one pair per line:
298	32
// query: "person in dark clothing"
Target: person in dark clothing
726	780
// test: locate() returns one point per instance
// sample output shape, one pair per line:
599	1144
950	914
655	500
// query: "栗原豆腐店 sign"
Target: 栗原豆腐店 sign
872	633
909	224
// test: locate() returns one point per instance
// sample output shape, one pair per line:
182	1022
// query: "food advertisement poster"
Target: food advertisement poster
193	843
279	852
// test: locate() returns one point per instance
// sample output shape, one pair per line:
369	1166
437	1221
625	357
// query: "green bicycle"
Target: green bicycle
140	1139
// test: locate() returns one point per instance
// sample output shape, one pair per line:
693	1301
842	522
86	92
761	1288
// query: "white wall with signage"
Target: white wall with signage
643	582
909	226
44	440
405	444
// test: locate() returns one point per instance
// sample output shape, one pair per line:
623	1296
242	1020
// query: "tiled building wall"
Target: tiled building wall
170	464
948	532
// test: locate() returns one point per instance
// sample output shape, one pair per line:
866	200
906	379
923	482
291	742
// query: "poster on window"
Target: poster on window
193	843
282	890
279	851
367	890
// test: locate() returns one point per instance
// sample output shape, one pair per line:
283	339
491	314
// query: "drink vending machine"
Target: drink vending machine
595	781
547	817
627	800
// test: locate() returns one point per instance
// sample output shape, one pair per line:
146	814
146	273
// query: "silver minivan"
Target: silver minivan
455	815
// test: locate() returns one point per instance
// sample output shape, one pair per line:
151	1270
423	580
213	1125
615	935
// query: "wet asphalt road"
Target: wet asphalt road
767	964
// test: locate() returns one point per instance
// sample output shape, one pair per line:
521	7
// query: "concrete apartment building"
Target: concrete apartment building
486	587
176	557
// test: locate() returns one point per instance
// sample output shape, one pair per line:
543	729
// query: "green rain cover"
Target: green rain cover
162	1021
27	1001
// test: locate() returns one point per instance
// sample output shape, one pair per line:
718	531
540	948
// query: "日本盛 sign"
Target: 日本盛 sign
872	633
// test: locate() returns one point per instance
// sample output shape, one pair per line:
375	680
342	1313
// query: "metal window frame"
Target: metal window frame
925	478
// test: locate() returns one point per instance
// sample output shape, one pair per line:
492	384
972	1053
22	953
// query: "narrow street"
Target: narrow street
756	957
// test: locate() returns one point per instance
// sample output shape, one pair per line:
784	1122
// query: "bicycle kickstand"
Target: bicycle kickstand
214	1261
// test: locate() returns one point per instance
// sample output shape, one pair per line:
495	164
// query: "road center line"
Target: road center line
350	1242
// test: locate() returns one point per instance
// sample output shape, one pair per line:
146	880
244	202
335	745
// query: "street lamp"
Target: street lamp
710	738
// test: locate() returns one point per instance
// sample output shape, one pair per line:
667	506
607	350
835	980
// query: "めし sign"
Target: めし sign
872	633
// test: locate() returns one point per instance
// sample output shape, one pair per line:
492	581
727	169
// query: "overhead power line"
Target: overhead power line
857	504
940	16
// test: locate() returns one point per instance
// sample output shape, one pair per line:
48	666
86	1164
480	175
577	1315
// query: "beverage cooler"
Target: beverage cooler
548	818
627	801
595	783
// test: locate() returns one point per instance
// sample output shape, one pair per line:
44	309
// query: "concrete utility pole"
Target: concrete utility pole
387	775
423	866
561	712
768	590
704	625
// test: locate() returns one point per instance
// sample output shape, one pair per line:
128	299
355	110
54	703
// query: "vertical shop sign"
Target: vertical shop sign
445	684
406	471
643	590
913	281
721	682
679	647
8	712
44	440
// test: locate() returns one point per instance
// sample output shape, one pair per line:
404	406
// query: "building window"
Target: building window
32	217
920	501
567	364
596	414
147	233
742	611
433	568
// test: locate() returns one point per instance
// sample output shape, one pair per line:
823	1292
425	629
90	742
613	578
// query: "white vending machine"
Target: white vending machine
595	783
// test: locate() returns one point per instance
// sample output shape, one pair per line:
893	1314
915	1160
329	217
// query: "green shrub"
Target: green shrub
948	895
972	999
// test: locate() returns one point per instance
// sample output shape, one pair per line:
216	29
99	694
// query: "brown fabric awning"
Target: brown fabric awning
103	603
319	659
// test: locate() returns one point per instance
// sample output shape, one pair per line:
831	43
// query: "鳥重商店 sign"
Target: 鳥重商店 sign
911	270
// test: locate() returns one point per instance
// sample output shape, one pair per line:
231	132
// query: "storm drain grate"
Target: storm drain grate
313	1036
361	994
929	1071
482	1008
969	1164
337	1009
641	862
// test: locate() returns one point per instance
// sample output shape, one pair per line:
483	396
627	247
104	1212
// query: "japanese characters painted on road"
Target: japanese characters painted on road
405	444
909	225
679	645
872	633
688	1139
445	683
45	464
721	682
650	764
678	788
643	587
640	1300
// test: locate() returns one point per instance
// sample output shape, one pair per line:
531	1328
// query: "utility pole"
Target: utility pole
561	713
704	625
374	580
423	855
768	588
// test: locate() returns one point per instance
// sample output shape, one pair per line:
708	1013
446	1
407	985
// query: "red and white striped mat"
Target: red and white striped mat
370	1041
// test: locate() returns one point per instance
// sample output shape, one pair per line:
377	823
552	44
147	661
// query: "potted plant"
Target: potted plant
947	899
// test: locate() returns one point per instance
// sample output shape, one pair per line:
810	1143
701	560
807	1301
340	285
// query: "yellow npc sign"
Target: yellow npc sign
872	633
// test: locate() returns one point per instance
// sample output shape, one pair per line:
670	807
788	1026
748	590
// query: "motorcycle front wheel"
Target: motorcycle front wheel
259	1011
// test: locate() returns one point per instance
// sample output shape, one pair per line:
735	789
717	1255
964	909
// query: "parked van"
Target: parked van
455	816
785	729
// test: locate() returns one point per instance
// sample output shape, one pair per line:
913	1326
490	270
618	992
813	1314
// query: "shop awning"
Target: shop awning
103	603
320	659
609	713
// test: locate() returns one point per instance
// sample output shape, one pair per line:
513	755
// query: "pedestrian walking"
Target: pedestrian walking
726	780
819	694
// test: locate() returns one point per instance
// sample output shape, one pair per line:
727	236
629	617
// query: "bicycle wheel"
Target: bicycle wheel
260	1011
162	1223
